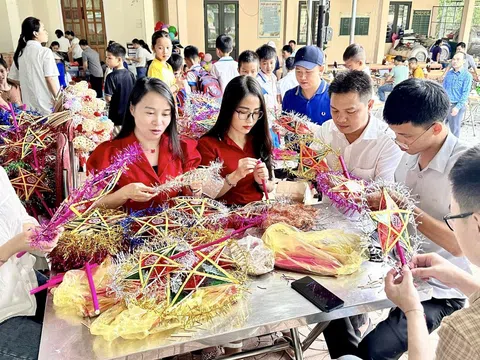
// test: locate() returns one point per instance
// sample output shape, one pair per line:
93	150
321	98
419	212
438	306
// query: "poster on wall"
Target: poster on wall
269	18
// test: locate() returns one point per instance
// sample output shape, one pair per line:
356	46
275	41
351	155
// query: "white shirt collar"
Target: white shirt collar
33	43
440	161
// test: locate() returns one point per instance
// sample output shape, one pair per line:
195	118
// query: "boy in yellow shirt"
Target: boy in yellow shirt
415	69
159	68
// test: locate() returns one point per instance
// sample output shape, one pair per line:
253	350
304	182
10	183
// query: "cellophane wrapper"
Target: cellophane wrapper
329	252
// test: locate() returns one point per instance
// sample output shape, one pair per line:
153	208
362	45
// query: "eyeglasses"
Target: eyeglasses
449	217
245	115
407	146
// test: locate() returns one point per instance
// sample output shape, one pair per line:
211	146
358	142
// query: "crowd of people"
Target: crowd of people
416	144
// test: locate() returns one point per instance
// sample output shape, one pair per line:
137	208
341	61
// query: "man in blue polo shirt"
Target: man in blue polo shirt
310	97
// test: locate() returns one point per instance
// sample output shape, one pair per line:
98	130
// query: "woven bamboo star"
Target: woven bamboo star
294	124
309	156
27	183
182	283
392	223
38	139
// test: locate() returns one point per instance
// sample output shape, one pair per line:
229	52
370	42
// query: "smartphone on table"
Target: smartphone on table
318	295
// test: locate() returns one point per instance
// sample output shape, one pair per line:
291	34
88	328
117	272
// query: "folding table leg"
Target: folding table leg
314	334
297	345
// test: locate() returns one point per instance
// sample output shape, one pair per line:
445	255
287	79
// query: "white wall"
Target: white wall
125	20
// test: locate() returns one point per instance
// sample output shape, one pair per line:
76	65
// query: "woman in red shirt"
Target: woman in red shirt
240	138
151	122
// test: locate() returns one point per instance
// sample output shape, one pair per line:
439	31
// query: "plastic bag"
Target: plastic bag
257	258
328	252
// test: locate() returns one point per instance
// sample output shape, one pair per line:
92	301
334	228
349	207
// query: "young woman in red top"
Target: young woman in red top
240	138
151	122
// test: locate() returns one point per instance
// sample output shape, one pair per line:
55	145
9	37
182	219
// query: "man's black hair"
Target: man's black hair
190	52
266	52
398	58
292	41
117	50
438	42
83	42
72	33
290	63
413	60
59	33
247	56
288	49
354	51
224	43
417	101
352	81
176	62
465	179
54	43
462	45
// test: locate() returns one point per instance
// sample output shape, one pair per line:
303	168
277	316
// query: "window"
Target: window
445	20
398	18
221	17
421	21
302	22
361	26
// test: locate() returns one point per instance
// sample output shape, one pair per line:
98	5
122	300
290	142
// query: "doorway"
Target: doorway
86	19
221	17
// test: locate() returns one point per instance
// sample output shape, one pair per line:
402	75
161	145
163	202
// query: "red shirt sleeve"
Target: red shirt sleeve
206	147
192	157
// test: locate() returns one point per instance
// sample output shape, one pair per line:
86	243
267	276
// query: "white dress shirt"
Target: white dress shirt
76	49
373	155
270	90
64	44
225	70
142	56
36	63
288	82
17	277
431	189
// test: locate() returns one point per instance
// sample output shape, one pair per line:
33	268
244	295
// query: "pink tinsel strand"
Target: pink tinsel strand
338	200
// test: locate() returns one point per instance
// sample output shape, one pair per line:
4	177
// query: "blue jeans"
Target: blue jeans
20	336
455	122
383	89
141	72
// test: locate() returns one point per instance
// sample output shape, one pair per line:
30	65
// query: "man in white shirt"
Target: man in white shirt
75	48
289	81
140	59
355	58
364	141
416	110
64	44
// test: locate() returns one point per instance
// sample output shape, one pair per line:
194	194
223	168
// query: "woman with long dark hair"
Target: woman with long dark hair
151	122
241	139
34	67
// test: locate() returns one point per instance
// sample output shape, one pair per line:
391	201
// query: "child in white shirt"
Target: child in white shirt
224	69
267	78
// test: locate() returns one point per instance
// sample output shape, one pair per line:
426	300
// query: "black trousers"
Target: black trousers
97	85
388	341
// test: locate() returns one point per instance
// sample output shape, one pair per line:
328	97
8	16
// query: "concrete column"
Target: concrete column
382	20
467	17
